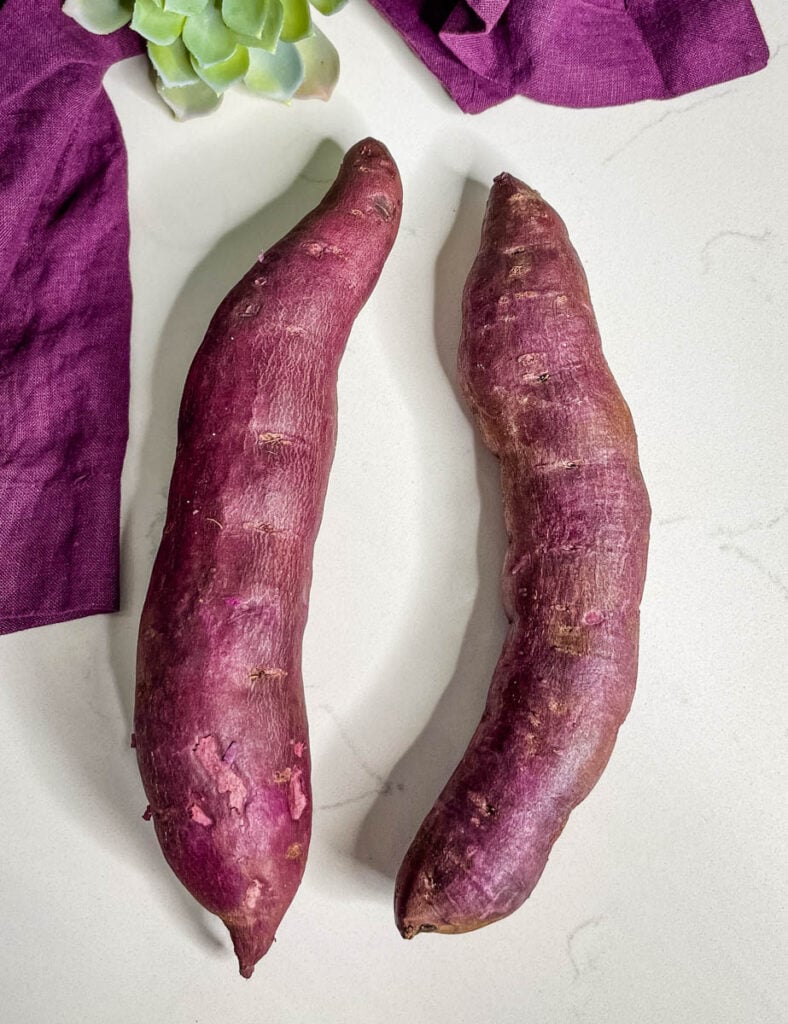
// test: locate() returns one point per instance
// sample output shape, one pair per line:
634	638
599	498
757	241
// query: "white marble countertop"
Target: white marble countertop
664	901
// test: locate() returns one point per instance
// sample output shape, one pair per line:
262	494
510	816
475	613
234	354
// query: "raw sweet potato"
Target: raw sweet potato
220	722
577	516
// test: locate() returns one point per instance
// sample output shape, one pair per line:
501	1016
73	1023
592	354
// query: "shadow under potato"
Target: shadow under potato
183	332
423	770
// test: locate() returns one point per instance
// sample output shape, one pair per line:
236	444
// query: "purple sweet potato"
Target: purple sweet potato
220	721
577	517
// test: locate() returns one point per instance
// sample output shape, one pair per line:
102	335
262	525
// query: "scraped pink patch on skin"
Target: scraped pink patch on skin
223	774
592	618
199	815
296	797
298	749
232	602
253	894
229	755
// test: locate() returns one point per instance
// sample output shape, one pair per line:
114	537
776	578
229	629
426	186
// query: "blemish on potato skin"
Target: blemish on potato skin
320	249
272	441
253	894
296	795
223	775
568	639
381	204
259	527
487	809
198	815
294	851
266	673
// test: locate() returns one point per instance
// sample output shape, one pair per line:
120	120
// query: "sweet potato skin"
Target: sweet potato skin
220	722
577	516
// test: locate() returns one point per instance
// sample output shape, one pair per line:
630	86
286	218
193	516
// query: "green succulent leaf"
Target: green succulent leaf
99	16
275	75
321	66
328	6
297	22
155	24
184	6
227	72
187	101
172	63
207	37
272	27
246	17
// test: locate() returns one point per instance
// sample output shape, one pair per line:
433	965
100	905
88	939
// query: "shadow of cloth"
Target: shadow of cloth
423	770
186	324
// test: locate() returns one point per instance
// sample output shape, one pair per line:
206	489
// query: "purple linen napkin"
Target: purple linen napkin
65	314
579	53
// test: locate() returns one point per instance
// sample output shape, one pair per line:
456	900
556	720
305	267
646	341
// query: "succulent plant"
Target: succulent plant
199	48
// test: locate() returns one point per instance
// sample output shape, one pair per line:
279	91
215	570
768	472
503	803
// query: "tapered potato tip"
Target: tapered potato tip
251	941
511	200
370	148
516	214
414	916
409	929
506	184
412	913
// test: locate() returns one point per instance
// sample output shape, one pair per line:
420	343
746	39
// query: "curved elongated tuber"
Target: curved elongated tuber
220	721
577	516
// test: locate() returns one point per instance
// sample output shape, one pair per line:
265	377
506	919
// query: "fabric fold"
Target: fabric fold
469	32
65	317
579	53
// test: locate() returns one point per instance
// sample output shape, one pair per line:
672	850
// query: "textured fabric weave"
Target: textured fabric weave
65	313
579	53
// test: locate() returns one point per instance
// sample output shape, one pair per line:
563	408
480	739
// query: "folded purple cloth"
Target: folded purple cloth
65	313
579	53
